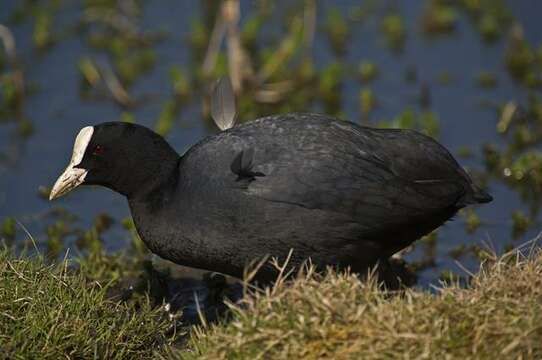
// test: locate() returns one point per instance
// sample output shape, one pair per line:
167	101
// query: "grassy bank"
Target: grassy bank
60	311
54	311
339	317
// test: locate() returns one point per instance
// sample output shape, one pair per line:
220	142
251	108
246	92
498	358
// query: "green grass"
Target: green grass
53	312
69	310
338	317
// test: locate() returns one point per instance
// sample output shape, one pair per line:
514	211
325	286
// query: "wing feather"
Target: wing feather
361	178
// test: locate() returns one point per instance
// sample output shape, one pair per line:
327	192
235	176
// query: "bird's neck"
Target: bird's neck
157	175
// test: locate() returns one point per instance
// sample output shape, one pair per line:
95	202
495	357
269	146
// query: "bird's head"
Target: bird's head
126	158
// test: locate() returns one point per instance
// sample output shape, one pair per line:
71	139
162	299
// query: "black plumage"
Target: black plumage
335	192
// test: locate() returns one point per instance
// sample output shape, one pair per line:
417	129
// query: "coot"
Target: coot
335	192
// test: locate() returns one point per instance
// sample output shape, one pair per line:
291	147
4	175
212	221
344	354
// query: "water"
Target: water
57	111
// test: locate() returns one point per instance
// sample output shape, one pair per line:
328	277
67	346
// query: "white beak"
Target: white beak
72	176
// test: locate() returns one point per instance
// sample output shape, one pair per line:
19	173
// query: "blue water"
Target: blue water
57	111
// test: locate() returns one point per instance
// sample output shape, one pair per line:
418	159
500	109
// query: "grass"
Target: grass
54	311
68	311
337	316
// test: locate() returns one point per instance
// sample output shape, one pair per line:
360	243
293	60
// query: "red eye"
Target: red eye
98	150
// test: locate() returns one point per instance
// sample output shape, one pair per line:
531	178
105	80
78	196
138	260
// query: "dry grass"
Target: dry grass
339	317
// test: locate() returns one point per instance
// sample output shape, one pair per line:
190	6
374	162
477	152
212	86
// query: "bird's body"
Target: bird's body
332	191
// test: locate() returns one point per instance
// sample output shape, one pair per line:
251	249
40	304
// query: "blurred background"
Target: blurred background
467	72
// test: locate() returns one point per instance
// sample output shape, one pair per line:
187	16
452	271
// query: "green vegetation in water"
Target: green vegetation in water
368	71
472	220
367	102
337	30
137	244
172	108
330	87
8	229
13	87
519	163
439	17
198	37
127	117
180	83
486	80
128	51
426	122
250	31
42	35
492	18
458	251
393	29
429	251
56	232
131	66
521	223
9	97
42	15
445	78
523	63
167	117
465	152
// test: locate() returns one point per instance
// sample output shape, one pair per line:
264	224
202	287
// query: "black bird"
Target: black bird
335	192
